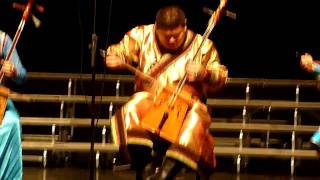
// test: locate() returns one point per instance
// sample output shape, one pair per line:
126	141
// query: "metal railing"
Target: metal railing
243	125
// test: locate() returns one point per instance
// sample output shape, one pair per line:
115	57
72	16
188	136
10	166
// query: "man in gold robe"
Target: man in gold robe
165	52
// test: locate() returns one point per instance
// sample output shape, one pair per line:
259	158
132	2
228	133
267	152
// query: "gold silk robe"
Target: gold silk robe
195	145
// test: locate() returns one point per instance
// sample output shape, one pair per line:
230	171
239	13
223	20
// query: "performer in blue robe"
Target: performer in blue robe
10	128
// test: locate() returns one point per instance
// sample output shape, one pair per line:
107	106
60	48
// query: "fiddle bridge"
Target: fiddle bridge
164	119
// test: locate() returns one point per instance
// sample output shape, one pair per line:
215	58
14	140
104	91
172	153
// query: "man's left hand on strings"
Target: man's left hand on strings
195	71
8	68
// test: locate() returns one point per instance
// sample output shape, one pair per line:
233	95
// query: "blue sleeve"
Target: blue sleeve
317	69
21	71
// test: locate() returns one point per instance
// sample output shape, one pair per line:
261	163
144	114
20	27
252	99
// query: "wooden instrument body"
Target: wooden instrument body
4	92
167	119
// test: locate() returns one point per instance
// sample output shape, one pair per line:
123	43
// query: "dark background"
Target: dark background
263	41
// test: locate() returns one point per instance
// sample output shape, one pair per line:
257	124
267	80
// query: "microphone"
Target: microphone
227	13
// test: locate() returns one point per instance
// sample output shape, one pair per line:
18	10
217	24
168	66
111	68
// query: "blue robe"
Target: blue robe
10	129
315	139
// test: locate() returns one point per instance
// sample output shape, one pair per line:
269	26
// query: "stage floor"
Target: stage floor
70	173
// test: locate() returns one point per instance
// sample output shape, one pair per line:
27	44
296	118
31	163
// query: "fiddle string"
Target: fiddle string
211	24
151	79
178	89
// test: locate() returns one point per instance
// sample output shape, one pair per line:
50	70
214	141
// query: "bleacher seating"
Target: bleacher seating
250	117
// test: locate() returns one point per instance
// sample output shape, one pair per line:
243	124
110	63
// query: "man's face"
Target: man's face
171	39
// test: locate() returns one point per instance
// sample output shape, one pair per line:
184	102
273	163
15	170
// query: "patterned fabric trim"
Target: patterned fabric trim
115	134
140	141
2	40
183	158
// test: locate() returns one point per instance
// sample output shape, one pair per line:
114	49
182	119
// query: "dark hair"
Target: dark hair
170	17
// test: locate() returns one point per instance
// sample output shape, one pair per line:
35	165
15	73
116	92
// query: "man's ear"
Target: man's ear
155	28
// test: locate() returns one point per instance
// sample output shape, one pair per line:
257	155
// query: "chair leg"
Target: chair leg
140	156
169	169
202	175
197	176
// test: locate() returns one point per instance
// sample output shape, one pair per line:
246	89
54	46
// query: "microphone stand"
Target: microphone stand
93	109
94	39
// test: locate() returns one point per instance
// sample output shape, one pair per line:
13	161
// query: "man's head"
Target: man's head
171	27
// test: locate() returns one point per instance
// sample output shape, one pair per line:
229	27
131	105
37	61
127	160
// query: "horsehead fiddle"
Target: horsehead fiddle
167	113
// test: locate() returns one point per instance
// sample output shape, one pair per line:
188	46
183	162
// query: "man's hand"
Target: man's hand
113	61
195	71
223	73
8	68
306	62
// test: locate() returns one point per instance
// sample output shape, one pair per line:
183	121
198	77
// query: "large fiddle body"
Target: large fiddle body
167	113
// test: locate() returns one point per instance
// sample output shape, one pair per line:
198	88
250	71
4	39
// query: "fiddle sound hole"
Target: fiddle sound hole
163	120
